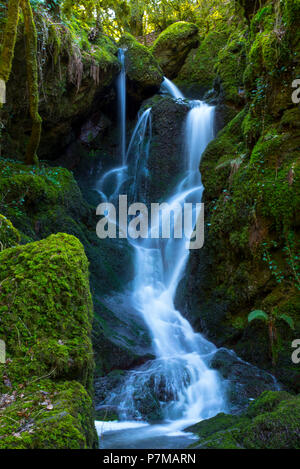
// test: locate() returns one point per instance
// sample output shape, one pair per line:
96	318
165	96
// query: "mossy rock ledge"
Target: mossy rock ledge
270	422
46	320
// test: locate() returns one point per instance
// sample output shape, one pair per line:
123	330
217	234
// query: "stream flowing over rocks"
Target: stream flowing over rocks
188	379
139	342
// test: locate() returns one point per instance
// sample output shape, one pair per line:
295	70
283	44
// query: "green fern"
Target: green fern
258	314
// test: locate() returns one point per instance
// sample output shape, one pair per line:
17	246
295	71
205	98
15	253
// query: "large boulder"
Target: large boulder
46	320
173	45
197	74
164	165
144	76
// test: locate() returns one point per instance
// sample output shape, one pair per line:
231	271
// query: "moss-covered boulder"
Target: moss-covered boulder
230	68
40	200
9	236
173	45
278	429
44	200
271	422
144	76
46	320
197	74
47	415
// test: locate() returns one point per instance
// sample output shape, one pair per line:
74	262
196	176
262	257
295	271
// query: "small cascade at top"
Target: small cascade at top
111	182
168	87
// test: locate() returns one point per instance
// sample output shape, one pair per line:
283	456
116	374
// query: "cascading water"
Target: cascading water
169	88
180	381
137	155
111	182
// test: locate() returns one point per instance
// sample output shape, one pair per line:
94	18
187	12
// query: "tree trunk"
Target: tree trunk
10	35
32	78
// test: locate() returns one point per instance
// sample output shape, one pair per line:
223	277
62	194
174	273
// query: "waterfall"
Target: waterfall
179	379
121	85
111	182
193	389
169	88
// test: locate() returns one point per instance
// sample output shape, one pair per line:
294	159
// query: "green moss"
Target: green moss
9	236
278	429
46	310
105	51
10	35
173	44
251	129
291	13
220	157
46	315
54	40
267	402
179	31
230	68
290	119
269	423
213	425
200	63
32	196
47	415
32	82
141	66
271	61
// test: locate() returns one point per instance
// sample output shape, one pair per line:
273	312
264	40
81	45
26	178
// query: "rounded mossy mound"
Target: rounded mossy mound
173	45
144	75
198	71
46	310
46	320
9	236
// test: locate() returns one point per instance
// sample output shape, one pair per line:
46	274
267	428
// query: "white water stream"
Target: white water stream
186	389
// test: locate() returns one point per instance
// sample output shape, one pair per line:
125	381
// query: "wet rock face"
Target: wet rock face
120	336
244	381
173	45
72	82
164	164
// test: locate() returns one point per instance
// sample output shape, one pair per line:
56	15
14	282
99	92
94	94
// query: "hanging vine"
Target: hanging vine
9	41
